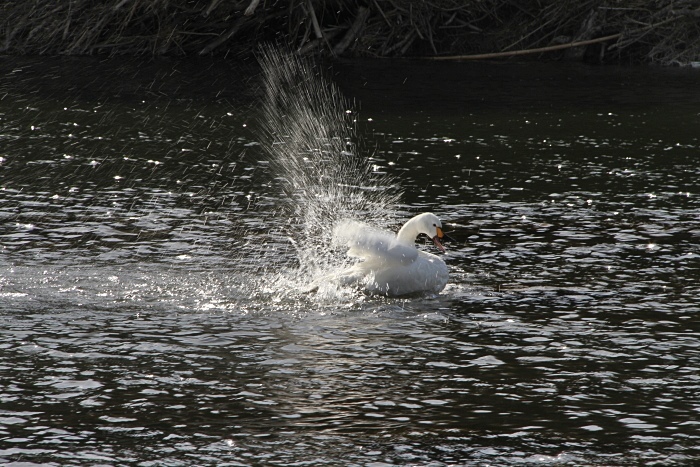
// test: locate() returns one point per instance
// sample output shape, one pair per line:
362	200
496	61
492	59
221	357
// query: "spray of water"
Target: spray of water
309	133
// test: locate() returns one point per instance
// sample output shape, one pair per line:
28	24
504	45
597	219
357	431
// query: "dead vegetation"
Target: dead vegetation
665	32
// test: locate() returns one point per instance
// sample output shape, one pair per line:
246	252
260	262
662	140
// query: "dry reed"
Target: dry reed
665	32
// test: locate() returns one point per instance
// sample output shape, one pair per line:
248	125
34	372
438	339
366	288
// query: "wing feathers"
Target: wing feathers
374	245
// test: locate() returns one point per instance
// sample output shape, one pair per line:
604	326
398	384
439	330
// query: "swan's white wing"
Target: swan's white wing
385	250
427	274
374	245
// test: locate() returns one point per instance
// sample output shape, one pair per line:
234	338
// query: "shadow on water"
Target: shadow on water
140	324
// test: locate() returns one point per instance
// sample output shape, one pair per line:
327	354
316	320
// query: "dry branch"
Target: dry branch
362	15
212	6
226	36
251	8
539	50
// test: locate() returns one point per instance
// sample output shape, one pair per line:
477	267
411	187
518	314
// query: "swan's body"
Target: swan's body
390	264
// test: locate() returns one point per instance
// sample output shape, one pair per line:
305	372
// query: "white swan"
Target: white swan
390	264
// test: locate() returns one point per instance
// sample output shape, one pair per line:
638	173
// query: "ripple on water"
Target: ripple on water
138	326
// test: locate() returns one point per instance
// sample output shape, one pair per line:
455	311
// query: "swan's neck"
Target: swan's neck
408	233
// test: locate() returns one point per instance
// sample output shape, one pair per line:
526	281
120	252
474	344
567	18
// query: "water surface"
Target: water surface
145	318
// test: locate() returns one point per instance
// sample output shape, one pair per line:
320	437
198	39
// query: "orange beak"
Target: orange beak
437	239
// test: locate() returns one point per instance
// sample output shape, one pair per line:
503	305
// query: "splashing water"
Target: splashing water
309	134
178	205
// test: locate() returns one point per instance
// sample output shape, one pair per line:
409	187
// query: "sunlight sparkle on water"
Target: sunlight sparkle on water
165	311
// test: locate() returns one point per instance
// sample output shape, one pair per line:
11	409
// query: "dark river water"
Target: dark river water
150	316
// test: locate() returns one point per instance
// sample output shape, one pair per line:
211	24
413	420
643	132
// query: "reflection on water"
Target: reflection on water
138	328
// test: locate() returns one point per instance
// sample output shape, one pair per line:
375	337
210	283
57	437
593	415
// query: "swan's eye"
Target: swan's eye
434	225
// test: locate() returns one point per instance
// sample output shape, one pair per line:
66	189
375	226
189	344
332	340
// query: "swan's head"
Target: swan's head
429	224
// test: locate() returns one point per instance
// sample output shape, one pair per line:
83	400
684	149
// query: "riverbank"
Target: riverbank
666	33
